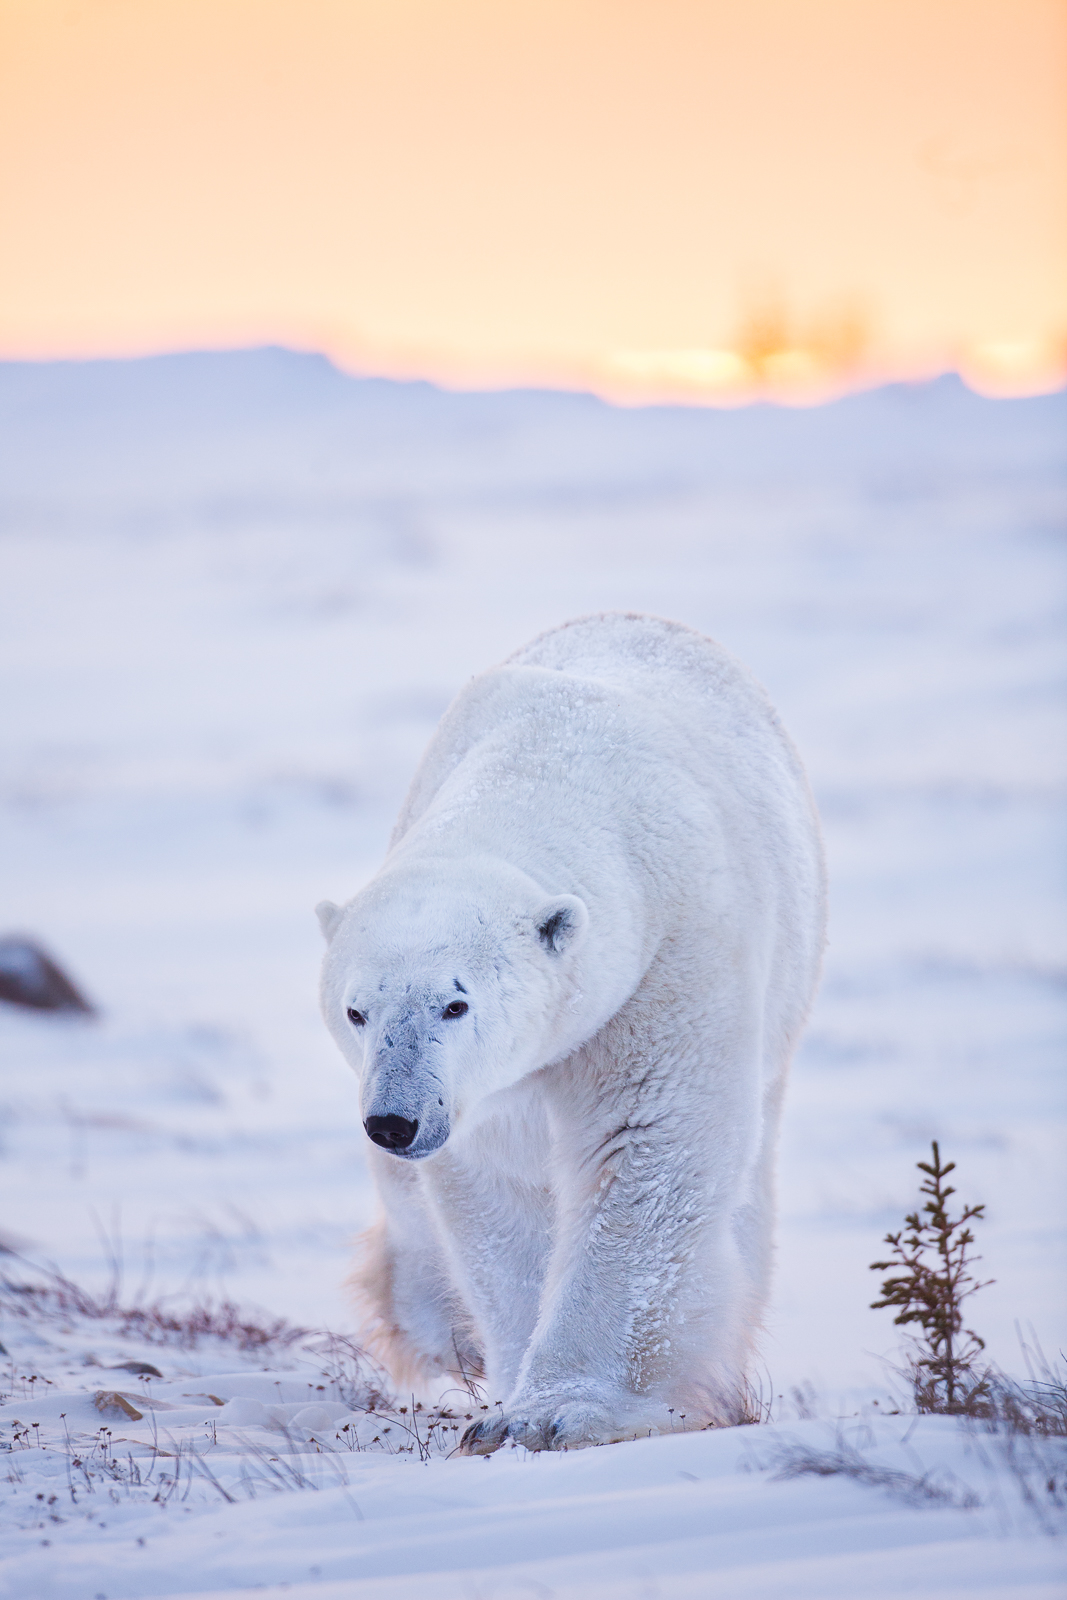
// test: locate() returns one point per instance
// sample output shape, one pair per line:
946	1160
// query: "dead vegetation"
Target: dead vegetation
52	1297
1026	1423
845	1460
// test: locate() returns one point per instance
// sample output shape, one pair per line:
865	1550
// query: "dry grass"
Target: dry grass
1026	1422
55	1298
844	1460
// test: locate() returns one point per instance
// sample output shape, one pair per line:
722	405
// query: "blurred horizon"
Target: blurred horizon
694	203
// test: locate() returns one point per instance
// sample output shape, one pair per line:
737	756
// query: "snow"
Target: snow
231	1482
238	592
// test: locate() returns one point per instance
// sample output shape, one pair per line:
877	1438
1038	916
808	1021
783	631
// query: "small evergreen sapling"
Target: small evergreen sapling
931	1257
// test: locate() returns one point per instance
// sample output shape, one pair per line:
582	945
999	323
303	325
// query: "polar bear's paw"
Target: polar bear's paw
562	1424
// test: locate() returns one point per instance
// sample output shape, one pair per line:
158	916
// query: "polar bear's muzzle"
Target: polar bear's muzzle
403	1105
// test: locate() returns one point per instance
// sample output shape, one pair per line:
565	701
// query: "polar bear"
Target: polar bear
571	995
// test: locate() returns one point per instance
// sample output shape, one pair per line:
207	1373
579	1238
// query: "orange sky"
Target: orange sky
698	198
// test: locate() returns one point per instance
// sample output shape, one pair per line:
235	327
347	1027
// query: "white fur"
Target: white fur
611	846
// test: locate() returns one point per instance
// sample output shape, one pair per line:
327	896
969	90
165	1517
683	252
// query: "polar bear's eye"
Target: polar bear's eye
456	1009
356	1017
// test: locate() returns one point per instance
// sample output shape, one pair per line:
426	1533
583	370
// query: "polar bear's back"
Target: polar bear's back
626	684
718	723
686	680
630	724
656	658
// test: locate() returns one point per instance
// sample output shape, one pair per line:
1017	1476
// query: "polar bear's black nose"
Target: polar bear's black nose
392	1133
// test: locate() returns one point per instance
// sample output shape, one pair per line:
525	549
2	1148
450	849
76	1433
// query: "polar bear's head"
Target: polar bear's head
443	984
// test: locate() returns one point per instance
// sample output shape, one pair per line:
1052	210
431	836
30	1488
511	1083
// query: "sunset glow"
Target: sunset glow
690	200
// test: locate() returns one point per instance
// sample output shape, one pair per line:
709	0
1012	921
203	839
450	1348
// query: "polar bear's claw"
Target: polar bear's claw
567	1425
482	1438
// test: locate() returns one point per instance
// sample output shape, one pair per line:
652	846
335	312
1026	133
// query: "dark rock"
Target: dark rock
29	977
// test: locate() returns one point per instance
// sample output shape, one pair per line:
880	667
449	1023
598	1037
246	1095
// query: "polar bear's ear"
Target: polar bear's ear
329	916
561	924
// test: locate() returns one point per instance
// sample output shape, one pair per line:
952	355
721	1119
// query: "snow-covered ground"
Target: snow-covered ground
237	592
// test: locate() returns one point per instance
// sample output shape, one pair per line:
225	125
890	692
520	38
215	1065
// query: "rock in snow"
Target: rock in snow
29	977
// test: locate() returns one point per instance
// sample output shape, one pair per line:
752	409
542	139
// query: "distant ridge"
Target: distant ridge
277	421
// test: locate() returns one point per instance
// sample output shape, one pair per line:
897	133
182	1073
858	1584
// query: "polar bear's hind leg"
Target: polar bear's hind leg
412	1319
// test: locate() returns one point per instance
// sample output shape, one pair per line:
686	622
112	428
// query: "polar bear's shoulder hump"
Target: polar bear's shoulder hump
647	655
671	672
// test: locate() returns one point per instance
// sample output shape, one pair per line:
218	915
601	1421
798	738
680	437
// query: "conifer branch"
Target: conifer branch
930	1261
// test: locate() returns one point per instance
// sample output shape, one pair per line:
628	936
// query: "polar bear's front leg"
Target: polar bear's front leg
648	1306
413	1317
498	1230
